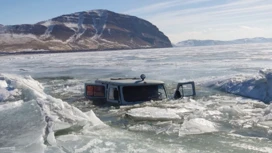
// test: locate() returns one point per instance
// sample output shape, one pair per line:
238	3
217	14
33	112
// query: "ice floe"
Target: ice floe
34	116
197	126
257	87
154	113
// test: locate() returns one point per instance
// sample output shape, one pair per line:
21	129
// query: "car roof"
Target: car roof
128	81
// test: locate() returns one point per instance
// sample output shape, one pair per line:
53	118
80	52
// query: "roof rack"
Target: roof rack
125	78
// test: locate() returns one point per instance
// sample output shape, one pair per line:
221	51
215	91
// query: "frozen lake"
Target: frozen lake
42	107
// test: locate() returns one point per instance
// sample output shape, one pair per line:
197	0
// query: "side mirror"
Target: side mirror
116	94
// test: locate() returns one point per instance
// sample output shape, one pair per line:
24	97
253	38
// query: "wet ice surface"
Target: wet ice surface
49	113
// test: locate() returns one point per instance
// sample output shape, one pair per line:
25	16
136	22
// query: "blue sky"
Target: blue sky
178	19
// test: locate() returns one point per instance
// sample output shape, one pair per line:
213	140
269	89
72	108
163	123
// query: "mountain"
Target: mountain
192	42
88	30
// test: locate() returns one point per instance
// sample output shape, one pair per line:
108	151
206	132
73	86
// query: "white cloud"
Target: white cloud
229	20
162	5
251	28
153	7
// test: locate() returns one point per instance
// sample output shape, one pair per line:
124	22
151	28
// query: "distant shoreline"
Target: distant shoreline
67	51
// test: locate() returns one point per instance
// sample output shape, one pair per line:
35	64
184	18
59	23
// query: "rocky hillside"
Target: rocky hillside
192	42
89	30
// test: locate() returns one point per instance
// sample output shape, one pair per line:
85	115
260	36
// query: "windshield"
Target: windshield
144	93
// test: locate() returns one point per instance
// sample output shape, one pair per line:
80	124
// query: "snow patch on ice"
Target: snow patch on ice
3	83
4	94
7	91
154	113
197	126
12	105
231	110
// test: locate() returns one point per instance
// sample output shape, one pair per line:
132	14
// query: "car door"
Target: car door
185	89
113	95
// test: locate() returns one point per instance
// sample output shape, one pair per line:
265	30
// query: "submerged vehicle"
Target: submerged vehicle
124	91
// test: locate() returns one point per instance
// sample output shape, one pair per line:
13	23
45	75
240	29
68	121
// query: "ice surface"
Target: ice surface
12	105
39	111
257	87
214	121
4	94
197	126
22	127
7	92
3	84
153	113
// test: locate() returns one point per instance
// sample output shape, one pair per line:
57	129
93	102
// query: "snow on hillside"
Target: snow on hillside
84	31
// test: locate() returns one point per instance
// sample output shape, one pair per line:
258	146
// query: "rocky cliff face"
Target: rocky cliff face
90	30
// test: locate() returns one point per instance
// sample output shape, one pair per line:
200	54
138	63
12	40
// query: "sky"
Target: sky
178	19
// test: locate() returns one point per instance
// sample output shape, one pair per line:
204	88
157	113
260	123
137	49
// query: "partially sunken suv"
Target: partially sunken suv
124	91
